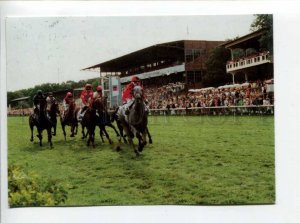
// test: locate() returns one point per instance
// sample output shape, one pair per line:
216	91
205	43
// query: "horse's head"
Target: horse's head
54	109
99	104
138	93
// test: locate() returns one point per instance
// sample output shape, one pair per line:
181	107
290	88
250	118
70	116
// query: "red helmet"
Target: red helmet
99	88
69	95
88	87
135	79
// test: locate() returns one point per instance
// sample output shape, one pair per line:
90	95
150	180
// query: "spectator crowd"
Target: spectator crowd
173	96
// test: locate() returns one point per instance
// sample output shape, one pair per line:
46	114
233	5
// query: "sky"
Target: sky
55	49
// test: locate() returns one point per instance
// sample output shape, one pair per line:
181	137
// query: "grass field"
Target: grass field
193	160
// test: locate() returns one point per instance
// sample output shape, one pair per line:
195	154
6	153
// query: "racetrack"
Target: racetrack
194	160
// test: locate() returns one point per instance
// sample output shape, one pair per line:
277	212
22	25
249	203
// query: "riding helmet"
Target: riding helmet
69	95
135	79
88	86
99	88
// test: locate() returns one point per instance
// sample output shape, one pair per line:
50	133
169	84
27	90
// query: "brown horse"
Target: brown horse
70	119
40	119
99	116
91	119
54	111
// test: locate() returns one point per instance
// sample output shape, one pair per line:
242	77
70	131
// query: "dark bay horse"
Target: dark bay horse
70	119
42	122
54	111
136	125
93	117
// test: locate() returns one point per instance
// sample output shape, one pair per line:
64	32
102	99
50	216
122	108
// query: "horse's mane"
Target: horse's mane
99	104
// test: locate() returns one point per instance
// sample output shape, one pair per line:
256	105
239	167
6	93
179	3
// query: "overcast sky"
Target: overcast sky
53	50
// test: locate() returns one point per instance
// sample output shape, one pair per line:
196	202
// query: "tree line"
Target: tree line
47	87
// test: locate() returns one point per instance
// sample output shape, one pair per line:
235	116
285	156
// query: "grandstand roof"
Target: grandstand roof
170	51
20	99
161	51
246	41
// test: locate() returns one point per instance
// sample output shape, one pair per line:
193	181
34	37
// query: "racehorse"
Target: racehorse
70	119
41	121
93	117
136	125
54	110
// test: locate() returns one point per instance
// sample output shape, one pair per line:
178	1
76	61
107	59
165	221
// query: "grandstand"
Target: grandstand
251	62
178	61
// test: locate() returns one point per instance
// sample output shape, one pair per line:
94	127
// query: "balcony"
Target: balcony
247	62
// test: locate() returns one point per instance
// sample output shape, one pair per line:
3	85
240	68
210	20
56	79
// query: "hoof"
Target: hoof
72	135
150	141
110	141
141	149
31	140
118	149
137	153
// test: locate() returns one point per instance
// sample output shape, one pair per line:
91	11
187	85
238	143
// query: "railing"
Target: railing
220	110
248	62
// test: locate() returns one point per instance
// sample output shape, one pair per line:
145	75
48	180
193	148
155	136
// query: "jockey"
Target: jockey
67	101
97	94
86	96
127	97
38	99
50	100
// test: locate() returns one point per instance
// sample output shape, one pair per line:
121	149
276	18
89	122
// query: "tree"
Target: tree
216	67
264	21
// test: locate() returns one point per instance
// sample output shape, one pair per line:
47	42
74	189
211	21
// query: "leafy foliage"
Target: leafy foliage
26	189
264	21
216	67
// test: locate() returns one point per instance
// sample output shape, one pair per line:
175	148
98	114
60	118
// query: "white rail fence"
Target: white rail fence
220	110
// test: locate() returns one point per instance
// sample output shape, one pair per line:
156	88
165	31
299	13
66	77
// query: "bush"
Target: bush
26	189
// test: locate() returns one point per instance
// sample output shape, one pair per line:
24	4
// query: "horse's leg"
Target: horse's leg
40	136
149	136
50	137
120	127
101	134
91	133
31	128
141	142
54	128
76	128
64	131
106	134
114	128
72	130
82	131
130	139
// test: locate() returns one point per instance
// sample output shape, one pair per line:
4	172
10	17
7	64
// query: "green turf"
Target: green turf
194	160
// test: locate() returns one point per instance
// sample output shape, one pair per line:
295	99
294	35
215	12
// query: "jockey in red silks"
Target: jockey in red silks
67	101
127	96
97	94
85	96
